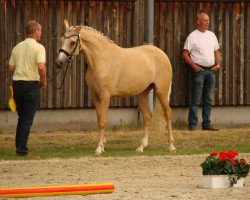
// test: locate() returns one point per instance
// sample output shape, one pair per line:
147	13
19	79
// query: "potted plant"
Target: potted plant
228	168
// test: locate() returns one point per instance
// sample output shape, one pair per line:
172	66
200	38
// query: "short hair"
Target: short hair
201	13
32	26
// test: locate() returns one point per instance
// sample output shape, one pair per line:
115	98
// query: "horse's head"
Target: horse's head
70	44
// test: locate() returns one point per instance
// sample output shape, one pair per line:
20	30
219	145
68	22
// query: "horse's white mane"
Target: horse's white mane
98	32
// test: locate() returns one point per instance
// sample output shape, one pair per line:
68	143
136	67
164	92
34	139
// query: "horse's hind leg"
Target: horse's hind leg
164	100
147	116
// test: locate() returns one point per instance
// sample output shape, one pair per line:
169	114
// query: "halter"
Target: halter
72	53
69	55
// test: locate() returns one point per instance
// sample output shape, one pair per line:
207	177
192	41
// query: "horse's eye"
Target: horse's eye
72	43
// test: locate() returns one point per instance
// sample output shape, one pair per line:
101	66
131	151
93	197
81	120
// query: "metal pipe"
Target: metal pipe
150	40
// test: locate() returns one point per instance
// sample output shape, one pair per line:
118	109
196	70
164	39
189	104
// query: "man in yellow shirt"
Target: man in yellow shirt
27	62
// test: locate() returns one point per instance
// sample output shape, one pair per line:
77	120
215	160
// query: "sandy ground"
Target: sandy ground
158	178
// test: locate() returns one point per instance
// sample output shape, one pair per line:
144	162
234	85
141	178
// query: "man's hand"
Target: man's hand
43	84
196	68
216	68
187	59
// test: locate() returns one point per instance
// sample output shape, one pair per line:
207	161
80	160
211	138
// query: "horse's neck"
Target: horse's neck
94	45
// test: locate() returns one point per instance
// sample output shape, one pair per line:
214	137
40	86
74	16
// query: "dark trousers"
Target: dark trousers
26	96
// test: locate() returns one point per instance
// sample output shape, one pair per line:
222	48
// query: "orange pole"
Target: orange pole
58	190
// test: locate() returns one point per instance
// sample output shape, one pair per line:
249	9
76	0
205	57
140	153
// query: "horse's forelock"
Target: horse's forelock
74	29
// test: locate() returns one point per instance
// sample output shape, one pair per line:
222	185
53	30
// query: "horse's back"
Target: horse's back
155	54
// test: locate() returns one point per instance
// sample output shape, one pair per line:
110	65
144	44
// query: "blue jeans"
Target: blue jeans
26	96
202	89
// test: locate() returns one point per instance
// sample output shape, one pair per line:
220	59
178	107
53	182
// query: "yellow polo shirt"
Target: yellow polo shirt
25	57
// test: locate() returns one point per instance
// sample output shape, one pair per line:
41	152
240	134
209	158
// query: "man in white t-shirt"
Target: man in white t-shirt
201	53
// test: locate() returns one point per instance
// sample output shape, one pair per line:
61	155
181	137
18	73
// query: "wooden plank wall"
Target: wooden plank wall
121	21
230	21
124	22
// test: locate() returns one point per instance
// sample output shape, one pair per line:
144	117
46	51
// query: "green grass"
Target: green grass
123	142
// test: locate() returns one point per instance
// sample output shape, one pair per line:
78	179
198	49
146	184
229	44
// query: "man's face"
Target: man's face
203	22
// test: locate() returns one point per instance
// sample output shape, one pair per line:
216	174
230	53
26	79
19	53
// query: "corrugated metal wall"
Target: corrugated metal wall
124	22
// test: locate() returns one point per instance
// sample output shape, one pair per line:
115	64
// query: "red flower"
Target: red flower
243	161
232	162
223	156
213	154
232	154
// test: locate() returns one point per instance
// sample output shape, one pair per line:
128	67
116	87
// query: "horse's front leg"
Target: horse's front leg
101	105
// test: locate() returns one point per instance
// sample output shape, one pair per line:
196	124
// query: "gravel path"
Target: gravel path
151	178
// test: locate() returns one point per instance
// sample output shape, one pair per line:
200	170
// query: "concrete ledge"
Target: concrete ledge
85	119
226	116
68	119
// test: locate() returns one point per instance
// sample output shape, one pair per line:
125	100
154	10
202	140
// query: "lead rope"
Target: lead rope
63	76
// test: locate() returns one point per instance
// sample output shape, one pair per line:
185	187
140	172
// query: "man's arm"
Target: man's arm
187	59
217	60
217	57
11	68
42	74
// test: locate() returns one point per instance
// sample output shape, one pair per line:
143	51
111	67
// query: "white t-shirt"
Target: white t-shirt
201	46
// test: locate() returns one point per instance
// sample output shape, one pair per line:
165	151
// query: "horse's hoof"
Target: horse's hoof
171	147
140	149
98	151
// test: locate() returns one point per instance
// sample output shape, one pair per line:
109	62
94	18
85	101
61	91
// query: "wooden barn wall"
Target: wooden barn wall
124	22
119	20
230	21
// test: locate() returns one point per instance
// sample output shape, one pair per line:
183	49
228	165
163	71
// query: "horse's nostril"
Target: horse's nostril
58	63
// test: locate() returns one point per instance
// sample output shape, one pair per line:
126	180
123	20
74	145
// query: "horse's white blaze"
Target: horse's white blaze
62	56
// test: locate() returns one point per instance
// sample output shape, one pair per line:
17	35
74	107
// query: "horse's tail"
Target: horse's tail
158	124
157	128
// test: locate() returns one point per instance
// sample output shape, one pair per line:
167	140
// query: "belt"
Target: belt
25	82
203	67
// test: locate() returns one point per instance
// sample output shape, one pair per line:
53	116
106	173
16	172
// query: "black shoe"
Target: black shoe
209	128
192	128
22	154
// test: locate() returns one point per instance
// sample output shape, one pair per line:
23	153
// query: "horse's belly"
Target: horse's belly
133	81
131	88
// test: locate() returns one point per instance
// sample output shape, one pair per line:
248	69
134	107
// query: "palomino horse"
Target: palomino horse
120	72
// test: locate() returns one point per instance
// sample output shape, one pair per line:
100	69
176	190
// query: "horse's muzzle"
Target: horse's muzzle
59	64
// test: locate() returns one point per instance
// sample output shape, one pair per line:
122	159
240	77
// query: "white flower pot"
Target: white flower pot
219	181
239	183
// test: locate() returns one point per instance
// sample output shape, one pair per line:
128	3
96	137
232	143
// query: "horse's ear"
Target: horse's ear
66	24
78	28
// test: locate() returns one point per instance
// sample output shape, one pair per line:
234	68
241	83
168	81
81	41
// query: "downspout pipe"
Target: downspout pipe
150	40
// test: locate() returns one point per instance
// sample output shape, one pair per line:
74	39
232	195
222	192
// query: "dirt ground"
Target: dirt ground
142	177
